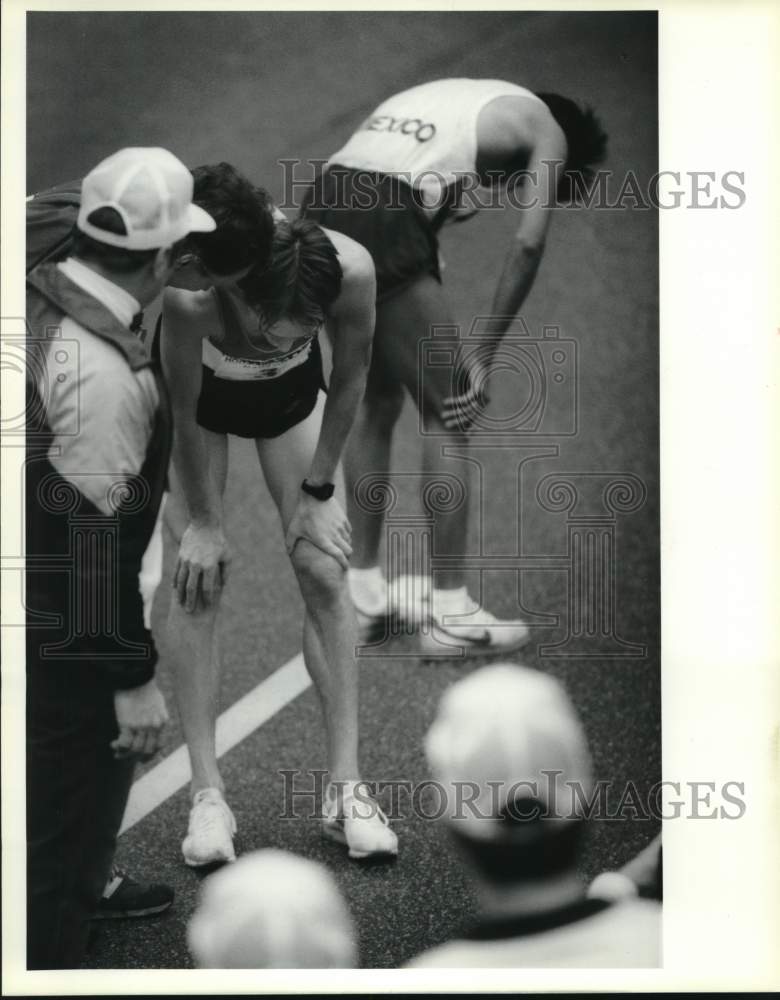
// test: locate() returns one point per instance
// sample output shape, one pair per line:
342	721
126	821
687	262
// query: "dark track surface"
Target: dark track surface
256	88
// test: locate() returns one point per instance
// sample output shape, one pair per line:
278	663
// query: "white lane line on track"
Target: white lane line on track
236	723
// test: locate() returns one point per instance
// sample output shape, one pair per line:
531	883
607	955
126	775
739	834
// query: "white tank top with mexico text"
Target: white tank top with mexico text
427	134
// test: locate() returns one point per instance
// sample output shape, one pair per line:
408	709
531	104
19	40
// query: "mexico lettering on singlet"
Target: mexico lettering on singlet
427	135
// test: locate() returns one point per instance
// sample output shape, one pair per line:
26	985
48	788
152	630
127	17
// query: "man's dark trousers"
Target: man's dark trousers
76	796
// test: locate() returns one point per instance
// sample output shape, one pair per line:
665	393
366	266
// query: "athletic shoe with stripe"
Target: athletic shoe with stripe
125	896
211	830
354	818
457	621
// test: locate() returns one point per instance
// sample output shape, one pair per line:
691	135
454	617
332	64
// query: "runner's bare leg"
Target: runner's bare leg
394	367
193	644
329	631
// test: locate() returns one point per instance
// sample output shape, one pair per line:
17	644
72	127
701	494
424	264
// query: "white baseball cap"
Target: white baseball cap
151	190
503	735
272	910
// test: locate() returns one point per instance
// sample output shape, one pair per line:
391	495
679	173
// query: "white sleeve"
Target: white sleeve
100	412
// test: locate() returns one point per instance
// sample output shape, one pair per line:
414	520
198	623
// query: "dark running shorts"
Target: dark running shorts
401	239
261	408
403	243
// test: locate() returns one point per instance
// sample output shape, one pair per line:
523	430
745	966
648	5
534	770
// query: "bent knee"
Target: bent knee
318	573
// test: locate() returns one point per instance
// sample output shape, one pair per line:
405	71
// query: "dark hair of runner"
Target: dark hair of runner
244	218
302	279
586	141
109	258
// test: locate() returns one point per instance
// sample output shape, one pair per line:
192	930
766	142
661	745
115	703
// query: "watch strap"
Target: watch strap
323	491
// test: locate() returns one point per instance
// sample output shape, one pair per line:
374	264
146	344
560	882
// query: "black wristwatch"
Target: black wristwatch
322	492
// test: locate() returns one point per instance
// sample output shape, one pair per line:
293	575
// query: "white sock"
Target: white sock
449	600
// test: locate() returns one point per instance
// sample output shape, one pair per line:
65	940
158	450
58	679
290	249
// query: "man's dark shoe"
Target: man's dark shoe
124	896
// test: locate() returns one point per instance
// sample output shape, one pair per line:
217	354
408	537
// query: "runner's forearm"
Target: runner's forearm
344	396
190	459
517	277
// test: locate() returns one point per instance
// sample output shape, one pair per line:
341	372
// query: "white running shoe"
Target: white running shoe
359	824
211	830
456	620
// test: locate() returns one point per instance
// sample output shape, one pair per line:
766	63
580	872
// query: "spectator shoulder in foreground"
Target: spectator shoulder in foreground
625	935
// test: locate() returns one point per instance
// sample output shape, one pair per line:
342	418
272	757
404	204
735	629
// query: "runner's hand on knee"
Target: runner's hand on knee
141	716
464	406
324	524
202	565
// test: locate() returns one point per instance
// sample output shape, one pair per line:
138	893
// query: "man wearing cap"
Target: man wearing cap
513	763
98	442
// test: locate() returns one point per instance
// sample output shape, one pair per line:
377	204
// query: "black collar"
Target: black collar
498	928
